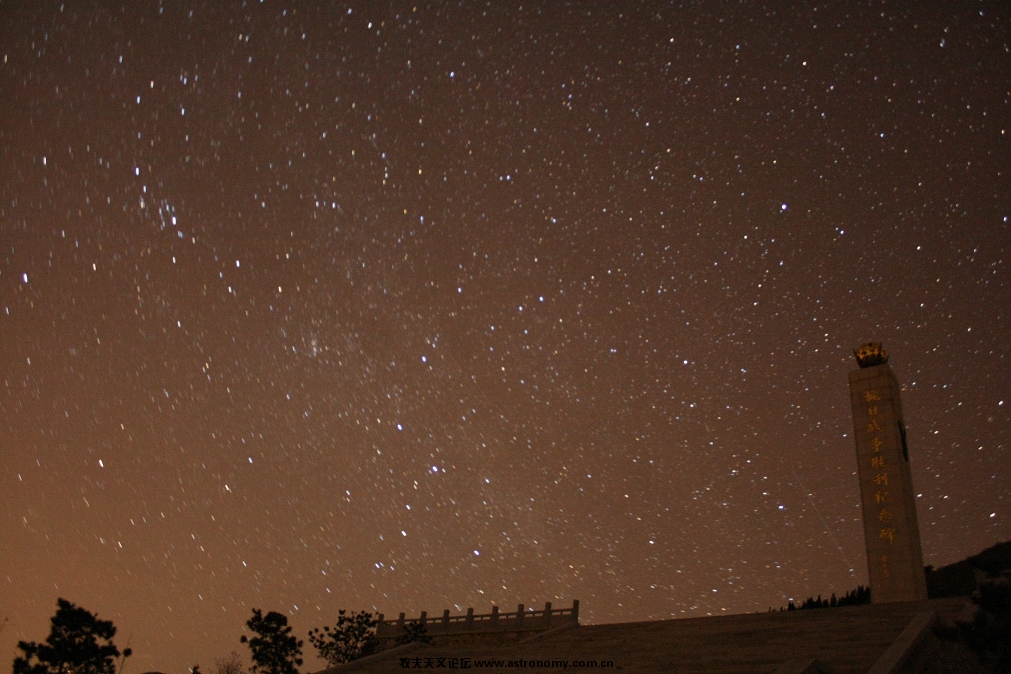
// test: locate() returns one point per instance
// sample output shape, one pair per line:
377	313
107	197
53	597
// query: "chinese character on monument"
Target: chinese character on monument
894	556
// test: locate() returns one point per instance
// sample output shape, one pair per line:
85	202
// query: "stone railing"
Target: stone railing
522	620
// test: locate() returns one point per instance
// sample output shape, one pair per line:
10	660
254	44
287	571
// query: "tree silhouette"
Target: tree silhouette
78	643
861	595
274	649
351	638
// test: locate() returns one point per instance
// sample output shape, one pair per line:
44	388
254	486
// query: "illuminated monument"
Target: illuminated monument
894	556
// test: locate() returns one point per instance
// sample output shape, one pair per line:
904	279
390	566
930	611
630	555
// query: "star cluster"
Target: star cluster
404	307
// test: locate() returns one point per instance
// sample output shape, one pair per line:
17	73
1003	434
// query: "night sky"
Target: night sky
410	307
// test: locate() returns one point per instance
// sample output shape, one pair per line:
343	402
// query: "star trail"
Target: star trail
404	307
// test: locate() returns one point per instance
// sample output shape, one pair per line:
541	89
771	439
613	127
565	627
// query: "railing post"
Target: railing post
399	627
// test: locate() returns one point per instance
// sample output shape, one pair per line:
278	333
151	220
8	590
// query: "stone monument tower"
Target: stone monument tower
891	532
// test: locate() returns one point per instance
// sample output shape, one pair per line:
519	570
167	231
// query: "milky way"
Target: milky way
411	307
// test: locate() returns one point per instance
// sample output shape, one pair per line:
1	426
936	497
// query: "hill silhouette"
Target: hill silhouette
961	579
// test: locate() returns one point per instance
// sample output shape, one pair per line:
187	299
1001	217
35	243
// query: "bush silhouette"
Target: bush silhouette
989	631
353	637
414	631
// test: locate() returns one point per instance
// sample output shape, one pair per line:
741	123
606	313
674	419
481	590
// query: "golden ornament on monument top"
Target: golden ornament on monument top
871	354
